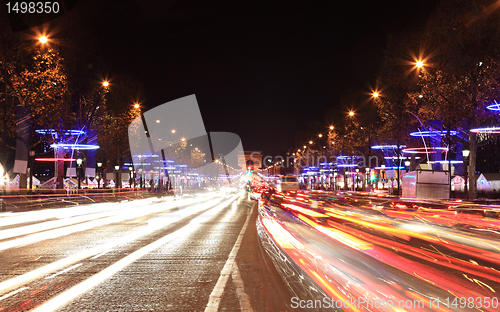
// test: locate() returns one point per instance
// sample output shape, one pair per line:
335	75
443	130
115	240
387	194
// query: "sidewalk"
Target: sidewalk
29	202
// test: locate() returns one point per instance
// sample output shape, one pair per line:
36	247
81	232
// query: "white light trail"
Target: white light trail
79	289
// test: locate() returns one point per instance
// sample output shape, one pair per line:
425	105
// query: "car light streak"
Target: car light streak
396	249
52	267
77	290
124	214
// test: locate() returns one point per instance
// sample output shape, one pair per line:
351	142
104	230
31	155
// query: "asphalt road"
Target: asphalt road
192	254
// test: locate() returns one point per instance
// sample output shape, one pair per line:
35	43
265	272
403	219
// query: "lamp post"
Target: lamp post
465	153
130	176
116	172
367	176
140	178
407	165
99	171
357	179
383	176
79	162
32	163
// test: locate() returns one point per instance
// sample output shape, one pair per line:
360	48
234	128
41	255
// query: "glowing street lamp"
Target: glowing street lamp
43	39
105	84
419	64
465	153
375	94
99	172
407	165
351	113
79	162
116	170
320	135
136	105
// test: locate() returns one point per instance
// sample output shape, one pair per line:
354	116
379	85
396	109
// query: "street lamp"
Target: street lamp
407	165
367	175
42	39
140	178
79	162
99	171
465	153
351	113
130	168
116	181
357	179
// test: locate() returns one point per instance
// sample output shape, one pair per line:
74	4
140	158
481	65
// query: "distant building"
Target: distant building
488	182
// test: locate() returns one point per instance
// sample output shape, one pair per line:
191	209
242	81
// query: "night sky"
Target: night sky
260	69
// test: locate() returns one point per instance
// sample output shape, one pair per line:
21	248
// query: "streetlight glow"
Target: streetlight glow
310	142
173	131
136	105
331	127
375	94
419	64
351	113
42	39
105	84
320	135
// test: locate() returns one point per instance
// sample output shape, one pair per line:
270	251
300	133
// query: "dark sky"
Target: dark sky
260	69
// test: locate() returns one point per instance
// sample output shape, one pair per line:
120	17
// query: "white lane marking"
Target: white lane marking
77	290
244	299
216	295
64	271
13	293
51	267
101	254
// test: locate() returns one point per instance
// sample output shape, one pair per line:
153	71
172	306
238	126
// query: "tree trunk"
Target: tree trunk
472	167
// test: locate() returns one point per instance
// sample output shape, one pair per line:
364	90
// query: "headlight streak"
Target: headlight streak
32	275
429	251
122	214
77	290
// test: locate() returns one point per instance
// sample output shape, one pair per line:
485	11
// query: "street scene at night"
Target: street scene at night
263	156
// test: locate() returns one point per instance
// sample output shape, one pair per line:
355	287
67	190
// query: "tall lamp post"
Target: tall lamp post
465	153
130	176
99	171
116	172
140	178
79	162
407	165
367	177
